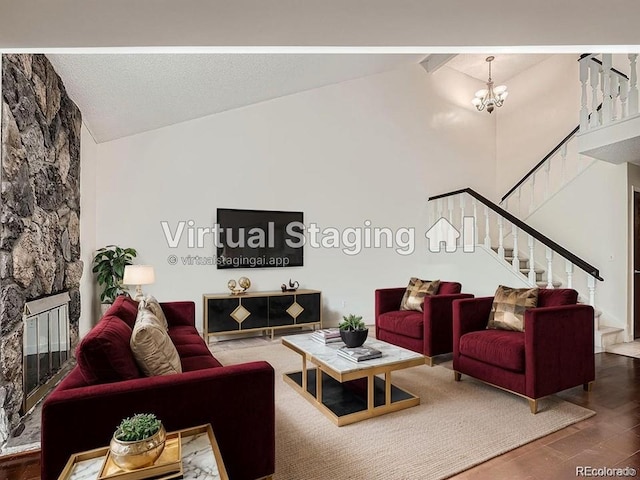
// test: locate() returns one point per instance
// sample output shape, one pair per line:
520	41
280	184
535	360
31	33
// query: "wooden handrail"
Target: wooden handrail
574	259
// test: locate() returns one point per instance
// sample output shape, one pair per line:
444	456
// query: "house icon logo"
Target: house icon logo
444	233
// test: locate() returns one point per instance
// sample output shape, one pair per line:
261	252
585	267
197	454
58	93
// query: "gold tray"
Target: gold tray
168	465
99	455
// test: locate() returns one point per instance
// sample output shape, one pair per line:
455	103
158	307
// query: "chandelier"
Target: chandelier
491	96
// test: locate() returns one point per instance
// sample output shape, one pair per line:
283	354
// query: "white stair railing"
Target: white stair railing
555	171
538	259
602	85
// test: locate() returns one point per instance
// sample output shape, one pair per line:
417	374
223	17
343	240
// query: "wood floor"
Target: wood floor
609	439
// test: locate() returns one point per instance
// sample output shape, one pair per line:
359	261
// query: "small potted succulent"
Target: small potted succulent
138	441
353	331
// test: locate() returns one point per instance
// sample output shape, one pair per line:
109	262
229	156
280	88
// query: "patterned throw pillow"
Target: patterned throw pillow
417	289
509	304
152	347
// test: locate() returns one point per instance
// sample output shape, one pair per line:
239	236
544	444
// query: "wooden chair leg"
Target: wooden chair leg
587	387
533	405
428	361
457	376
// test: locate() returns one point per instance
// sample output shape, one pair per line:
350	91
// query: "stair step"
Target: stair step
606	336
524	262
543	284
539	273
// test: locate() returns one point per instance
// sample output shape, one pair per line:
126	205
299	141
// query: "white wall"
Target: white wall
589	217
369	149
479	272
542	108
88	164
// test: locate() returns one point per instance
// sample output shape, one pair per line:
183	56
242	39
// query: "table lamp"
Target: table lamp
138	275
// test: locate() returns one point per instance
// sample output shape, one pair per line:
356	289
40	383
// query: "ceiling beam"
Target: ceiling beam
433	62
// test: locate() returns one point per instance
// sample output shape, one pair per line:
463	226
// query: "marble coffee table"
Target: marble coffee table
345	391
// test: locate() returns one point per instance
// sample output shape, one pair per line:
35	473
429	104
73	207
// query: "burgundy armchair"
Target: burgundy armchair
555	351
428	332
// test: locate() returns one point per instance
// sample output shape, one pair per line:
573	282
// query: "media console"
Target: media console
226	314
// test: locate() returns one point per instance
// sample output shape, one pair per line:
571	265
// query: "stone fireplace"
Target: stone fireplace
39	226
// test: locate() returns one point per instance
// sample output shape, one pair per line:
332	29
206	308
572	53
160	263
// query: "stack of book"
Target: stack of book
359	354
327	335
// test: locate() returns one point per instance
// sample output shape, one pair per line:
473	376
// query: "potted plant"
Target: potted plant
138	441
108	265
353	331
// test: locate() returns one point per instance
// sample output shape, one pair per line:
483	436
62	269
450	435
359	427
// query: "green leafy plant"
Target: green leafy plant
138	427
108	264
352	322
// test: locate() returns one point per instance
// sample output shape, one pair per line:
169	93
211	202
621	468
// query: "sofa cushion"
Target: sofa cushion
152	347
125	308
501	348
417	289
556	297
200	362
404	322
104	354
509	305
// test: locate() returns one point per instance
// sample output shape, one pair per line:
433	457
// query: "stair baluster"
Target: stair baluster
450	207
568	268
591	285
606	89
487	236
549	255
533	192
584	77
474	202
547	171
633	85
532	263
515	262
624	95
615	86
593	77
500	238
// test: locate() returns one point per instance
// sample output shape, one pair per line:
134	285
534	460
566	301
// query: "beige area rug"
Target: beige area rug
456	426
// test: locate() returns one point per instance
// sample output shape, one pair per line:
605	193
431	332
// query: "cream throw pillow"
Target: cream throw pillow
152	347
417	289
149	302
509	305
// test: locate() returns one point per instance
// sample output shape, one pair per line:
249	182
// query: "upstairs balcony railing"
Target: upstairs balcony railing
603	84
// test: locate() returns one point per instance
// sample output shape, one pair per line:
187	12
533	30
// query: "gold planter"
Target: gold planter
139	454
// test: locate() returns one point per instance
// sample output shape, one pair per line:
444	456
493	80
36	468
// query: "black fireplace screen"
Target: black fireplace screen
46	347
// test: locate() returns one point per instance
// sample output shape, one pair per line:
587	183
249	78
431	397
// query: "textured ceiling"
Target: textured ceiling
125	94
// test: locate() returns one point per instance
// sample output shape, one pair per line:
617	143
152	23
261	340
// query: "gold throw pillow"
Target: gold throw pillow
509	305
417	289
152	347
149	302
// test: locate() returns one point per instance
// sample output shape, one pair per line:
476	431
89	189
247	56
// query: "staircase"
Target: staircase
537	259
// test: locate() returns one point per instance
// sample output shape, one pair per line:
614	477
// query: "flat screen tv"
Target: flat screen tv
259	238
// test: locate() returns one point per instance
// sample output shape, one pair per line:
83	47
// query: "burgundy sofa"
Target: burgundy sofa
555	351
429	332
107	386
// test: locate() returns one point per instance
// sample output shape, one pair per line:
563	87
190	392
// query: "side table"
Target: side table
201	458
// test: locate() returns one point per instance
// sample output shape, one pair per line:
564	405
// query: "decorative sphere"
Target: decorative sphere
231	284
244	282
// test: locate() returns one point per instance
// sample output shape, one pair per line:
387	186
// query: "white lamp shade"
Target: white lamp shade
138	275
